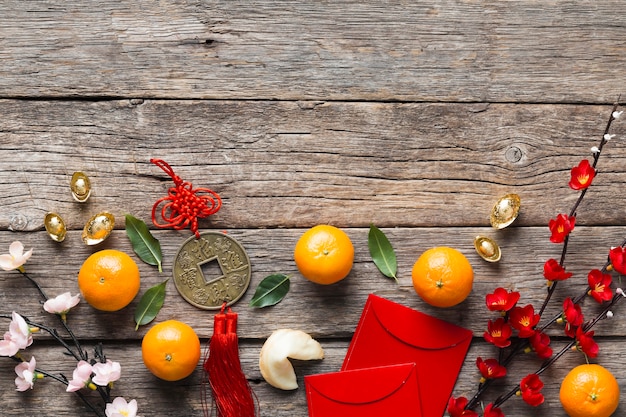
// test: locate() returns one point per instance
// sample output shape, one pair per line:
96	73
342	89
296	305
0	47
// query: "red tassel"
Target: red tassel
232	394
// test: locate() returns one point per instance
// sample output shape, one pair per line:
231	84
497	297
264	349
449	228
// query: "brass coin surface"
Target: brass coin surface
211	270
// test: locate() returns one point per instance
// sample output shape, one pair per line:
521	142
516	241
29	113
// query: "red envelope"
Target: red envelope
389	333
371	392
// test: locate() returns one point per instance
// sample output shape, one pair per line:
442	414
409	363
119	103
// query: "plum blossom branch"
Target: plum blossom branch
588	172
62	316
96	374
53	332
587	327
59	378
524	321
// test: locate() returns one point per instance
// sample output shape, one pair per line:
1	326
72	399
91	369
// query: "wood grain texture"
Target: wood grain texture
329	313
182	398
297	164
337	308
414	116
453	50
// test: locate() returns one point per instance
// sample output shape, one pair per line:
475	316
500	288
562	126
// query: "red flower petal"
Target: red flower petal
573	315
502	300
498	333
561	227
490	368
540	342
531	387
524	320
456	408
553	271
618	259
600	286
491	411
586	344
582	175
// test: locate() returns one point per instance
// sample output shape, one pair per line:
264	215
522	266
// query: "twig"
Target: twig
521	345
83	355
553	359
62	379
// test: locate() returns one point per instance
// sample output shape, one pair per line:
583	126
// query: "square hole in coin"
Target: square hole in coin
211	270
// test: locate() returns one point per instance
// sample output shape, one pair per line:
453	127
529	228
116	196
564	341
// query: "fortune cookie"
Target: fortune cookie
283	344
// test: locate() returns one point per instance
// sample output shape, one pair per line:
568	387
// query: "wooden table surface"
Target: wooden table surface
413	116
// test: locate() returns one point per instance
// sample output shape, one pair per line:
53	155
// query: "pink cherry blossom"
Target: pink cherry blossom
18	337
81	377
15	258
25	375
120	408
61	304
106	372
7	346
20	331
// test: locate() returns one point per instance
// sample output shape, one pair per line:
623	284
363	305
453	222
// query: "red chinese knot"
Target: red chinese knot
183	204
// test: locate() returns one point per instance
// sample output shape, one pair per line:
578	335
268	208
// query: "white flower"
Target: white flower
608	137
81	377
61	304
617	114
18	337
7	346
120	408
15	258
25	375
106	372
20	331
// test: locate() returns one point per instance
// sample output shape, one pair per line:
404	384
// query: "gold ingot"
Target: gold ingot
80	186
98	228
487	248
55	226
505	211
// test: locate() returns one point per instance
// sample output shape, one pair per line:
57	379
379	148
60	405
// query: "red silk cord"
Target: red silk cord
183	205
232	394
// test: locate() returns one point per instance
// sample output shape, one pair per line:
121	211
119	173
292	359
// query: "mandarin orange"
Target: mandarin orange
171	350
589	390
442	276
109	280
324	254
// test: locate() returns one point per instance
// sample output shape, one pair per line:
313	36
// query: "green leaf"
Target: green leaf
146	246
270	291
382	252
150	304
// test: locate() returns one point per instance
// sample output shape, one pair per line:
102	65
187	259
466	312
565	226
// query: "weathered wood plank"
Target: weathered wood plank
324	311
451	50
296	164
182	398
387	163
299	114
